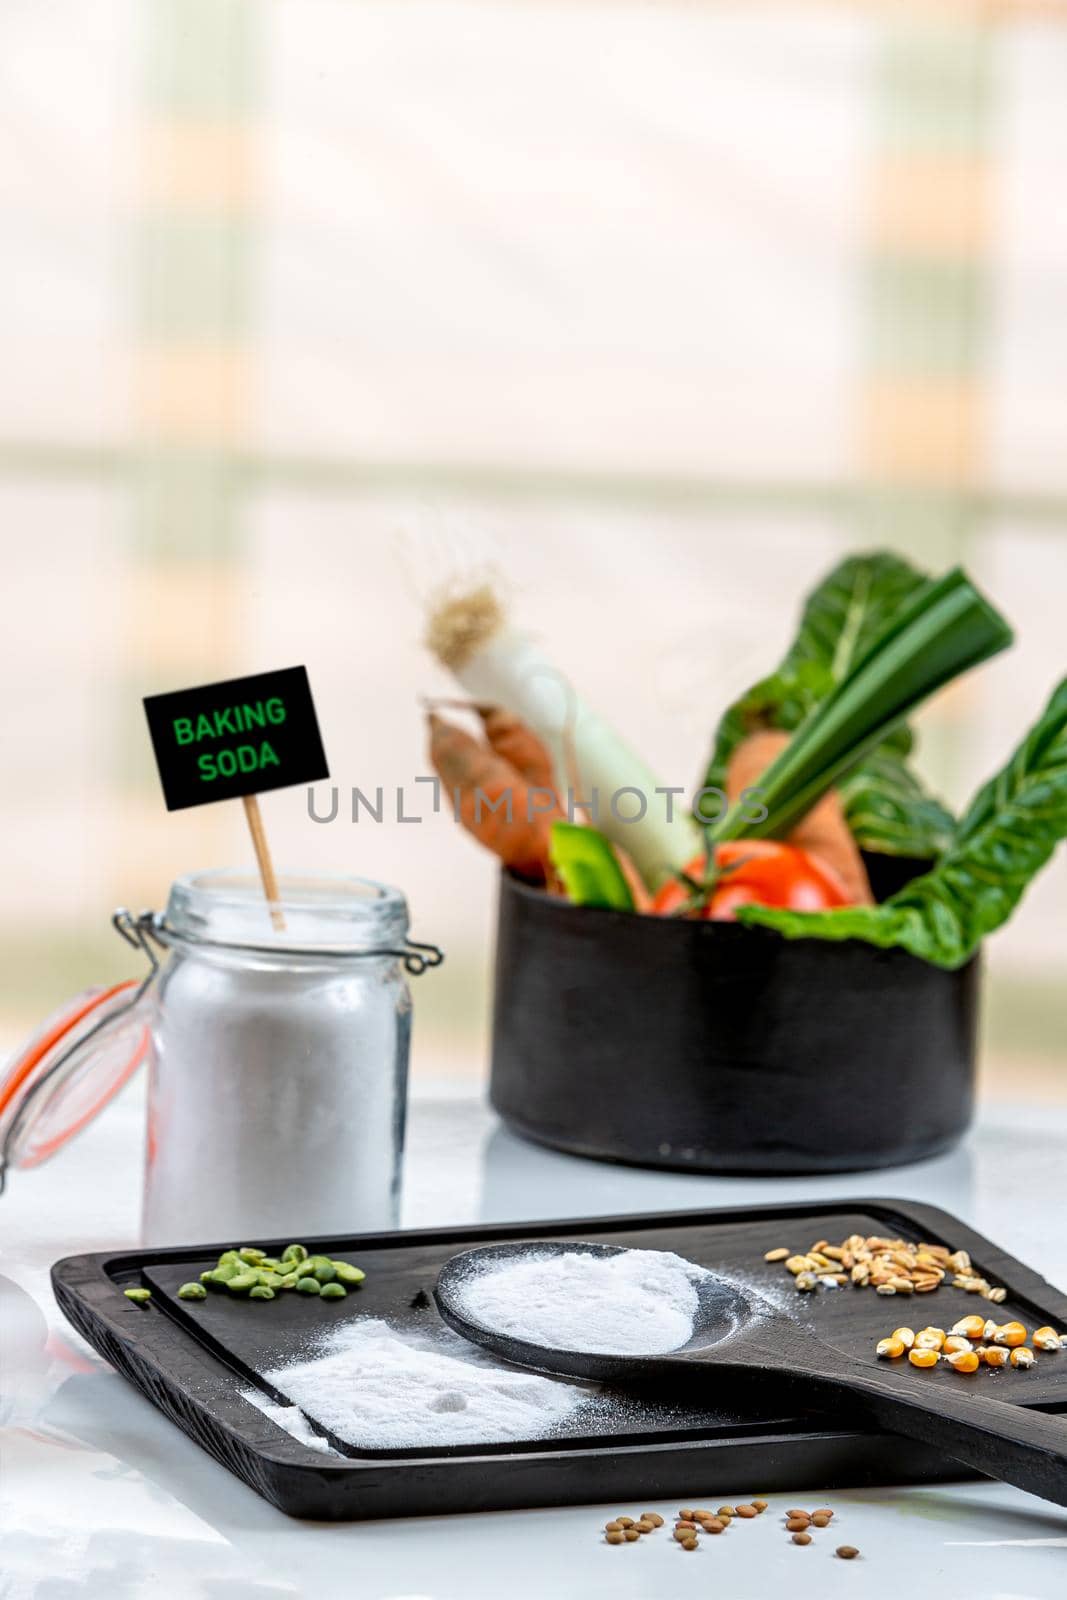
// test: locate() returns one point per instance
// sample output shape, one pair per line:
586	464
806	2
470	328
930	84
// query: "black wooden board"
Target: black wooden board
194	1359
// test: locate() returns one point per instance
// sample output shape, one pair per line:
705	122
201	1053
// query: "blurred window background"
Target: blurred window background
658	308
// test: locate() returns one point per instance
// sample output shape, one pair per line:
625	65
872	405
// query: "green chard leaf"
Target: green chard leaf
885	804
887	808
1009	832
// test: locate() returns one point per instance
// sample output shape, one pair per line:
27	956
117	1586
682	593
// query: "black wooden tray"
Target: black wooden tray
194	1359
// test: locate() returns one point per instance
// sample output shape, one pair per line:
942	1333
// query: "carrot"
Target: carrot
494	802
823	831
518	744
641	897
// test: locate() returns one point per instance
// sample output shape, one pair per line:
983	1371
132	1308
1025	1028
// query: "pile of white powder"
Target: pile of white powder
292	1419
378	1387
639	1302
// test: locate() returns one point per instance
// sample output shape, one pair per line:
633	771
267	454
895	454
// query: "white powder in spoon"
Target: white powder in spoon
378	1387
639	1302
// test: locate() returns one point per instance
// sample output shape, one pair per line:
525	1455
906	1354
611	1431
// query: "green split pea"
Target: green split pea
249	1271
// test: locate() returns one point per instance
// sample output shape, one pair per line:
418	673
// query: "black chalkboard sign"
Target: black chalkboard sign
243	736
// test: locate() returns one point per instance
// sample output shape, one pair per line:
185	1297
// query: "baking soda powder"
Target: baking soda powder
639	1302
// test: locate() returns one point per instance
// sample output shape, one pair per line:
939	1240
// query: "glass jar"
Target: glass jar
278	1068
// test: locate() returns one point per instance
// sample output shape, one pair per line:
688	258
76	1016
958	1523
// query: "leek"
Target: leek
596	769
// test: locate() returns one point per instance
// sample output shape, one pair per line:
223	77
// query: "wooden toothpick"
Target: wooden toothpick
266	866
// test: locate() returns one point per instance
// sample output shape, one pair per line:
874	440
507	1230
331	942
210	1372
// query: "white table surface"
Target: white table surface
100	1496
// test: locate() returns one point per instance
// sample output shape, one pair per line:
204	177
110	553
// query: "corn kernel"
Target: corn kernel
923	1357
797	1264
1047	1339
889	1348
956	1345
969	1327
995	1356
989	1328
1022	1357
1011	1334
963	1361
907	1336
930	1339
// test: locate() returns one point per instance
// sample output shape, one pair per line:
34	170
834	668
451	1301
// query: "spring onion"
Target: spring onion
946	628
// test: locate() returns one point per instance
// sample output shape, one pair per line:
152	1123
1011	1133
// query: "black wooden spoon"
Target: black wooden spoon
736	1329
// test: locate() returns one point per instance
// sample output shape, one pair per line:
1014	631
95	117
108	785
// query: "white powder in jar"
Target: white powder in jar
378	1387
639	1302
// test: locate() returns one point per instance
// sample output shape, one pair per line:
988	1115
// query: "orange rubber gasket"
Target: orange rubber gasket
34	1056
52	1145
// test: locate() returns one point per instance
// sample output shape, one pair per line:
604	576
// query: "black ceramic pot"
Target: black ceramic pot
717	1048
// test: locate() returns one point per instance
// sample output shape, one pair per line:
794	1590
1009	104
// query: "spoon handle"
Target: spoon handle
1004	1441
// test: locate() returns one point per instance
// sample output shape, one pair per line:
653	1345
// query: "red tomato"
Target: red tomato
761	872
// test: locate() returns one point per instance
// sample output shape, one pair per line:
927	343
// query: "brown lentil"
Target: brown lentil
760	1505
653	1517
798	1513
615	1536
625	1522
847	1552
687	1516
713	1525
823	1511
682	1534
820	1520
631	1535
613	1527
726	1511
797	1524
747	1511
690	1544
802	1538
